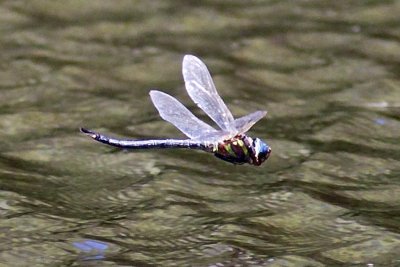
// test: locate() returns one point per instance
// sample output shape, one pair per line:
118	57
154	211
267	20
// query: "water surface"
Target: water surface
327	72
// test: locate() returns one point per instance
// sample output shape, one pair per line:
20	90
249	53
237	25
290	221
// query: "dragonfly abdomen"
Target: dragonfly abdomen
143	144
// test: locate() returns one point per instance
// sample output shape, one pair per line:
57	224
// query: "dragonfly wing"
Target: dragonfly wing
216	137
201	89
173	111
243	124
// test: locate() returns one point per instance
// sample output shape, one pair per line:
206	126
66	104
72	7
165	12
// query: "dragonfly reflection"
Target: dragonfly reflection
229	143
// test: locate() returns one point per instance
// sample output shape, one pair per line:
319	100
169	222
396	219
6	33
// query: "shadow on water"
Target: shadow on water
325	71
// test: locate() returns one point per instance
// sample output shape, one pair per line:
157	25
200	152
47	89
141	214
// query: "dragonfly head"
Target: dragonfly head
261	151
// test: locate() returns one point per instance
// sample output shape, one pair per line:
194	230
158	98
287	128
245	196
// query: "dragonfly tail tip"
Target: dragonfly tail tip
88	132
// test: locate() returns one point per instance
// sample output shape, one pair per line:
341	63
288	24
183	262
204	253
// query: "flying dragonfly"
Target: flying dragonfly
229	143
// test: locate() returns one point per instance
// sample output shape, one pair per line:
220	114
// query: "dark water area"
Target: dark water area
327	72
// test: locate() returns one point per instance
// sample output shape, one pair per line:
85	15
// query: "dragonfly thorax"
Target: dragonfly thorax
243	149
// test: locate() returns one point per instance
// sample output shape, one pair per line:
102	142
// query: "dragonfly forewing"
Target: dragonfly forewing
201	89
173	111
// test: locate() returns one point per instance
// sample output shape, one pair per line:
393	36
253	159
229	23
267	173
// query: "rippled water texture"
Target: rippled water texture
326	71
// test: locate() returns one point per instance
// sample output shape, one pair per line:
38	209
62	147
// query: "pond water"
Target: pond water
326	71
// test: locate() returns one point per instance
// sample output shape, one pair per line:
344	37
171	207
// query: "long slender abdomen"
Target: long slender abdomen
143	144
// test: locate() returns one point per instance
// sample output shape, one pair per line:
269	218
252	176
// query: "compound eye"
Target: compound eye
262	150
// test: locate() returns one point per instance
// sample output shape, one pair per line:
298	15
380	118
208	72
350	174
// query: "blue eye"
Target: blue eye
262	149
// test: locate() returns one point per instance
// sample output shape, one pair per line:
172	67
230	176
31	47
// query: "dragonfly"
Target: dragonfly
229	142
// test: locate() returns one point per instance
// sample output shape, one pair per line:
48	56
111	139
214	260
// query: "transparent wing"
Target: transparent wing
215	137
243	124
174	112
201	89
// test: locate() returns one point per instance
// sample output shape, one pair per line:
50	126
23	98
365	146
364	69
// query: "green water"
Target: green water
326	71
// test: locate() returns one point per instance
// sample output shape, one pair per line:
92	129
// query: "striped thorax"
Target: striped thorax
243	149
